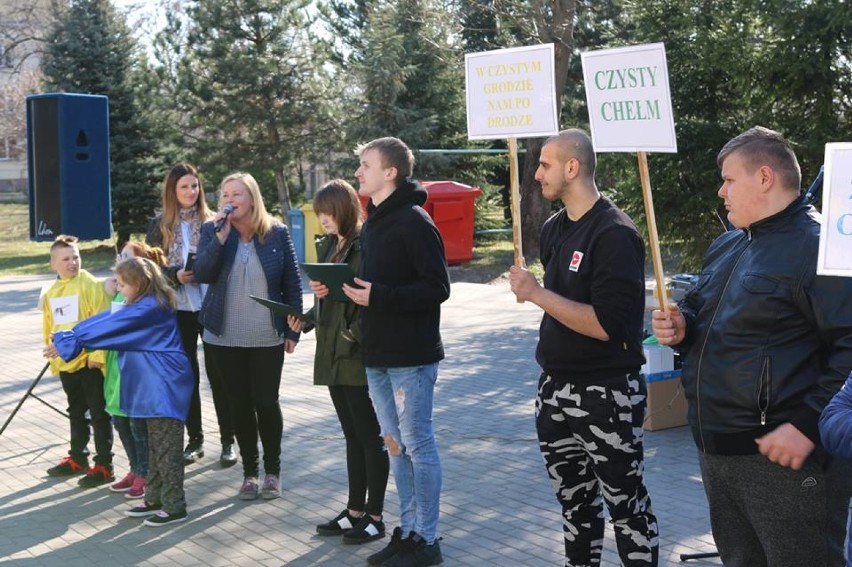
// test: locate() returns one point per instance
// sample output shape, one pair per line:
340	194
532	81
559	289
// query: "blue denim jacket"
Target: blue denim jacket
278	258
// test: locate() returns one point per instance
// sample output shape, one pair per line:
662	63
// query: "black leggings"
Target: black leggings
190	329
366	458
252	376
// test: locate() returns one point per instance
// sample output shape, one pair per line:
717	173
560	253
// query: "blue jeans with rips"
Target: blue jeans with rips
403	401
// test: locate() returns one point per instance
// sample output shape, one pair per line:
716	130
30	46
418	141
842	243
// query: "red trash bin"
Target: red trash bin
450	204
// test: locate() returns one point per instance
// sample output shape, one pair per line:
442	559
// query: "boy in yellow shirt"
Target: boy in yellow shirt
77	295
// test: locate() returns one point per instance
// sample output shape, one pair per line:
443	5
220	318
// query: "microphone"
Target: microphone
227	210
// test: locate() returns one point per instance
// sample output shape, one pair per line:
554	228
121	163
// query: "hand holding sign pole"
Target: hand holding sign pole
630	109
511	94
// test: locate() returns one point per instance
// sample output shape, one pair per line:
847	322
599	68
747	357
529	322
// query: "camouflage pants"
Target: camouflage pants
165	464
590	436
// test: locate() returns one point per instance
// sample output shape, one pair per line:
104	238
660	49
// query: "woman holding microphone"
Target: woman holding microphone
245	252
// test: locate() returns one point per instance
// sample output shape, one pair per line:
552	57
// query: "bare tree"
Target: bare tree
23	26
551	21
529	22
13	94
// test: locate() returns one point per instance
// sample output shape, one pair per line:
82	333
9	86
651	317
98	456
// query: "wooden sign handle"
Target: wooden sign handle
653	238
515	197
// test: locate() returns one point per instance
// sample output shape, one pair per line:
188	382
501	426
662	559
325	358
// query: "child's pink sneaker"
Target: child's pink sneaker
124	484
138	488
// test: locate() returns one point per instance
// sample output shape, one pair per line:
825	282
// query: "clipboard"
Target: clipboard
333	276
283	309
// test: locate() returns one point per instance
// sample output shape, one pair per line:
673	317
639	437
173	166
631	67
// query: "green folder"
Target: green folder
283	309
333	276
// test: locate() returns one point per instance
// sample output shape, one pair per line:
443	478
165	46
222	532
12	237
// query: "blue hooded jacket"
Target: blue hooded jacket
156	378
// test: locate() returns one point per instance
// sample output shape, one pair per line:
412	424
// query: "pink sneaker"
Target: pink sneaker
124	484
138	488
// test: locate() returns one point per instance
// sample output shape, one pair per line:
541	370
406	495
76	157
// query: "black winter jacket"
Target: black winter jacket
768	341
403	258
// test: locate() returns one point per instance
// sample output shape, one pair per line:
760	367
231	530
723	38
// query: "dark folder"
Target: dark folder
283	309
333	276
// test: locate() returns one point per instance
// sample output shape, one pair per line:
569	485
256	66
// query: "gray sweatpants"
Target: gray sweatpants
766	515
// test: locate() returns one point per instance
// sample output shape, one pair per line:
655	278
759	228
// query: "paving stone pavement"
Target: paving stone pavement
497	506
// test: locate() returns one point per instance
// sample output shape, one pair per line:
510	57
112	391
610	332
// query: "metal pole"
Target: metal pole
29	392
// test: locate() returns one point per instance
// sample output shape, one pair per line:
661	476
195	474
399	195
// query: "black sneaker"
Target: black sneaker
417	553
228	458
341	523
397	544
143	510
96	476
367	529
68	467
163	518
193	452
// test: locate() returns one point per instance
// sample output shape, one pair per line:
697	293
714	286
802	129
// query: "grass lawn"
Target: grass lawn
20	256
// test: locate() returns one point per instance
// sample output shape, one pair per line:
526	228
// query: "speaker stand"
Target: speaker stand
28	394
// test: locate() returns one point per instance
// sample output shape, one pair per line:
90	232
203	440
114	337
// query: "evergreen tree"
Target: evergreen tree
783	64
253	89
91	51
407	66
411	76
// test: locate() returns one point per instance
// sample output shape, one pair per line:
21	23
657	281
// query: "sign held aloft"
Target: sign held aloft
511	93
627	90
835	238
630	110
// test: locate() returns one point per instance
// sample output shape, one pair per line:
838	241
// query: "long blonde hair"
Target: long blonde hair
147	276
171	207
261	221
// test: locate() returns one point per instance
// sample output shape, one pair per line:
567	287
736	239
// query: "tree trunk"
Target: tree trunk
123	238
534	207
559	31
283	195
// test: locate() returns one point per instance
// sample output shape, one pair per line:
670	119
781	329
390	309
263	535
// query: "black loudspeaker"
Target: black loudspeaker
68	166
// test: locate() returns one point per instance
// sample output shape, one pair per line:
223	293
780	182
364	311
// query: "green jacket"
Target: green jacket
112	376
338	355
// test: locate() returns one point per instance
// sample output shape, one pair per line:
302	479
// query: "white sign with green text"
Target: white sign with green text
511	93
630	105
835	238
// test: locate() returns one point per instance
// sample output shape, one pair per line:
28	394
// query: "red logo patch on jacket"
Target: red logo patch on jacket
576	259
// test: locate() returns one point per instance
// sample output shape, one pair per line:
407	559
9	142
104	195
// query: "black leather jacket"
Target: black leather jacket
768	341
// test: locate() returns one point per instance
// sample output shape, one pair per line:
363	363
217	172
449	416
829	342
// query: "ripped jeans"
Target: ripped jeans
403	401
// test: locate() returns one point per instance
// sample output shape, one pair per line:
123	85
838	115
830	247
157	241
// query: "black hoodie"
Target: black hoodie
596	260
403	259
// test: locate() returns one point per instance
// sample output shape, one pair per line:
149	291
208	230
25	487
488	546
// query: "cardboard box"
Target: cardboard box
658	358
666	404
